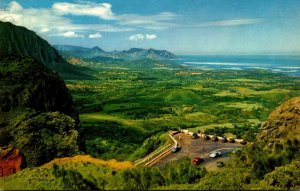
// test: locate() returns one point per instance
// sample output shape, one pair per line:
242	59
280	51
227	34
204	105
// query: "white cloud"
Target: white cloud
137	37
44	30
231	22
151	36
155	22
235	22
102	10
72	34
96	35
140	37
50	22
53	21
14	6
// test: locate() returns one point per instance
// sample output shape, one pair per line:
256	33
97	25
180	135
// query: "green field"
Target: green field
132	101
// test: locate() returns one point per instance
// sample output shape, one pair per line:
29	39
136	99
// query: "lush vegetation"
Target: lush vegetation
37	114
124	115
93	176
131	101
247	171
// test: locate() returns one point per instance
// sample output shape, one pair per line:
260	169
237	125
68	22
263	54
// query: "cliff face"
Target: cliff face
25	83
37	114
18	40
283	123
10	160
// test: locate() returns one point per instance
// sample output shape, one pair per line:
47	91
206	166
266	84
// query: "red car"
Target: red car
197	160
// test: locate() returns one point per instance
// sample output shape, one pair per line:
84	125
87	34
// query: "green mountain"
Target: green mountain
97	54
140	53
37	114
19	41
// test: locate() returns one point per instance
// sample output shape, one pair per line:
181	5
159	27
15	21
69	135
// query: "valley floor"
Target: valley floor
129	102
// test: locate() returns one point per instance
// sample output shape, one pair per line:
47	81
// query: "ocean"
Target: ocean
278	64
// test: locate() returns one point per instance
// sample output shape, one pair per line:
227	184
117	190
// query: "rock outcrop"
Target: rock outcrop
10	160
283	123
37	114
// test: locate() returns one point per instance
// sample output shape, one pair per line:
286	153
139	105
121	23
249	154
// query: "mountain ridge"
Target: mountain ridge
20	41
96	53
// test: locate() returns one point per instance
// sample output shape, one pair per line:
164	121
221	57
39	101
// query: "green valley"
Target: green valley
149	101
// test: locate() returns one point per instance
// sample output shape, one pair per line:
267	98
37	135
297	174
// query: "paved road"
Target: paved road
199	148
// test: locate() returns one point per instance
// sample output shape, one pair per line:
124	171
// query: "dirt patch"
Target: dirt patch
10	161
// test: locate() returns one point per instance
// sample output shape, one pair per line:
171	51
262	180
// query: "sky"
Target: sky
180	26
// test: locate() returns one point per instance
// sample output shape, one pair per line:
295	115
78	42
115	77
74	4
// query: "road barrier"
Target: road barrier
153	157
148	157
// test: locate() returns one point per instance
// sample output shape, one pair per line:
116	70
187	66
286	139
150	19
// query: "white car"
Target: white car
215	154
175	149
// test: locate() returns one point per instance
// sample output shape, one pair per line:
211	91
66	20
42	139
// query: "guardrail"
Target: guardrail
145	159
150	159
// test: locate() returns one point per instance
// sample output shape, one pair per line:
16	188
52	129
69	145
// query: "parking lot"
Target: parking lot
200	148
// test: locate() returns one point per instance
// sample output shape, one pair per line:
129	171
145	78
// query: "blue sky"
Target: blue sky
180	26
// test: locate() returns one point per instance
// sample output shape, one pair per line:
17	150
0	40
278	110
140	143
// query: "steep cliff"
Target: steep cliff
37	114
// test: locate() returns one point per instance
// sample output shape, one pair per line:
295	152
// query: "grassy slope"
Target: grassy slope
79	172
178	96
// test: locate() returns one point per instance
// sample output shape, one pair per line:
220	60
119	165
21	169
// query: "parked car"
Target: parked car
206	137
197	160
214	138
231	140
243	142
224	139
215	154
175	149
195	136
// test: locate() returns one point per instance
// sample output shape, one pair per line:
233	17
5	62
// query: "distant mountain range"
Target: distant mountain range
97	54
19	41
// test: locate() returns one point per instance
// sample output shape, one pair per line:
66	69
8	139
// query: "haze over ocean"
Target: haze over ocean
278	64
